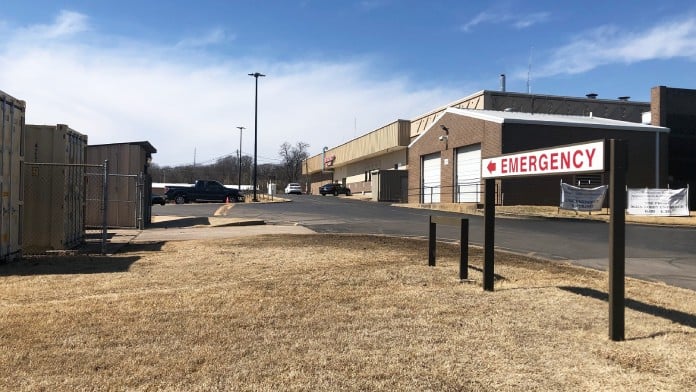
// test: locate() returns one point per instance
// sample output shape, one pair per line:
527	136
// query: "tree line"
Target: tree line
227	169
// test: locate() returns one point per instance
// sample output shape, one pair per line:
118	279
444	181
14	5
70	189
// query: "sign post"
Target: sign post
489	235
617	238
572	158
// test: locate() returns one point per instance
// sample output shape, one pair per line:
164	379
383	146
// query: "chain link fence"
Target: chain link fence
55	201
69	206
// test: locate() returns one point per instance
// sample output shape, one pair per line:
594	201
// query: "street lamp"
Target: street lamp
239	181
256	124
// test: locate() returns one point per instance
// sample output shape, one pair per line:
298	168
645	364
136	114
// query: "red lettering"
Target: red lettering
554	161
590	156
532	163
513	165
523	163
565	160
575	159
504	165
543	162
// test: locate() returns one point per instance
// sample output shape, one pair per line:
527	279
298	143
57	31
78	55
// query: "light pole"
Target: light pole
256	124
239	181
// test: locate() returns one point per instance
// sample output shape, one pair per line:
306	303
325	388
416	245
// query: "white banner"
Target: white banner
658	202
582	199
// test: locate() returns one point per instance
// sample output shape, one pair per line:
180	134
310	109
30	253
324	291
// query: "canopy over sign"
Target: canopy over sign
574	158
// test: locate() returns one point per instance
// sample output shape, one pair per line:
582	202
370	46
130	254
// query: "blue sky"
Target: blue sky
175	72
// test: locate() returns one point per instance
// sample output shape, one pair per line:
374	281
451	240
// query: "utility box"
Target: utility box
11	208
54	190
390	185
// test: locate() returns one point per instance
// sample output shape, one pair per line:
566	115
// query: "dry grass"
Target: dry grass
329	312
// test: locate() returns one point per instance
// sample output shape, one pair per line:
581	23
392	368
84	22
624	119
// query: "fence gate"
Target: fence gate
56	200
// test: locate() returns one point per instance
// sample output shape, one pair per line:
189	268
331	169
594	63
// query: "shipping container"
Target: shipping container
54	188
11	205
129	185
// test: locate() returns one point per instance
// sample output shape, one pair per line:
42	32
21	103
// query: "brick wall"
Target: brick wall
496	139
463	131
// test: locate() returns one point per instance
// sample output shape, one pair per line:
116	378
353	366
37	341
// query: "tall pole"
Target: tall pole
256	125
239	180
617	238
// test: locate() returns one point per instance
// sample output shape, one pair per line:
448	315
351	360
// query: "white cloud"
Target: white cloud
609	45
179	100
215	36
518	21
67	23
524	21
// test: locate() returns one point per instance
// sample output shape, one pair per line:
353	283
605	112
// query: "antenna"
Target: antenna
529	72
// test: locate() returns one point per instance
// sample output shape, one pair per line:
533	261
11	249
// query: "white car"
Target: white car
293	187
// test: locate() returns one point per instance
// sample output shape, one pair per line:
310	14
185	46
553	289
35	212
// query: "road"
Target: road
666	254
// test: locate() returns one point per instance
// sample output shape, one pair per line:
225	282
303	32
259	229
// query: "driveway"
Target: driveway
654	253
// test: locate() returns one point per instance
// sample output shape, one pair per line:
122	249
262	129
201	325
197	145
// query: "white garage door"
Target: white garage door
468	179
431	178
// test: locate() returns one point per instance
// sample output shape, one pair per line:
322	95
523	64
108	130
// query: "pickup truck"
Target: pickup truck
203	190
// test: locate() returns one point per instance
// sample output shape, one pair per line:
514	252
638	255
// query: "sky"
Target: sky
175	73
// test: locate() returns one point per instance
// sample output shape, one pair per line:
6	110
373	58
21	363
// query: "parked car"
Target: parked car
203	190
293	187
159	199
334	189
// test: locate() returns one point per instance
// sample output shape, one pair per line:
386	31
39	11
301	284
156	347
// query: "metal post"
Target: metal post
256	125
105	200
432	238
489	231
617	238
239	180
140	194
464	250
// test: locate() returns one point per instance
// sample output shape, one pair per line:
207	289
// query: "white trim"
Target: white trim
500	117
426	129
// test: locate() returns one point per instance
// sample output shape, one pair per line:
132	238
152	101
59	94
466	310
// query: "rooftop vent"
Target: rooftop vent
624	98
591	96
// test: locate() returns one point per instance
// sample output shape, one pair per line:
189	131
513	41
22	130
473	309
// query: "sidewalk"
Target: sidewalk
557	213
180	228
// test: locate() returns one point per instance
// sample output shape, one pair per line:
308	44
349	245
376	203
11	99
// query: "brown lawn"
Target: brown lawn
330	312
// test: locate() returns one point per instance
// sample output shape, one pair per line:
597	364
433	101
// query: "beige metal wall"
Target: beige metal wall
389	138
12	208
124	159
54	196
353	174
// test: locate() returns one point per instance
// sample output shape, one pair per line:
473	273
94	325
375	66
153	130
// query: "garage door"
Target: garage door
431	178
468	178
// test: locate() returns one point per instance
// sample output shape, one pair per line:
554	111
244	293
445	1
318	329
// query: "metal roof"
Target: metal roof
144	144
559	120
502	117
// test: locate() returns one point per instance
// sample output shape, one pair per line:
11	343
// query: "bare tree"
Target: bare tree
292	157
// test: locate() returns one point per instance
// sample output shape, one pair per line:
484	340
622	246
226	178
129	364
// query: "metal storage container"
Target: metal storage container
11	135
54	191
129	185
